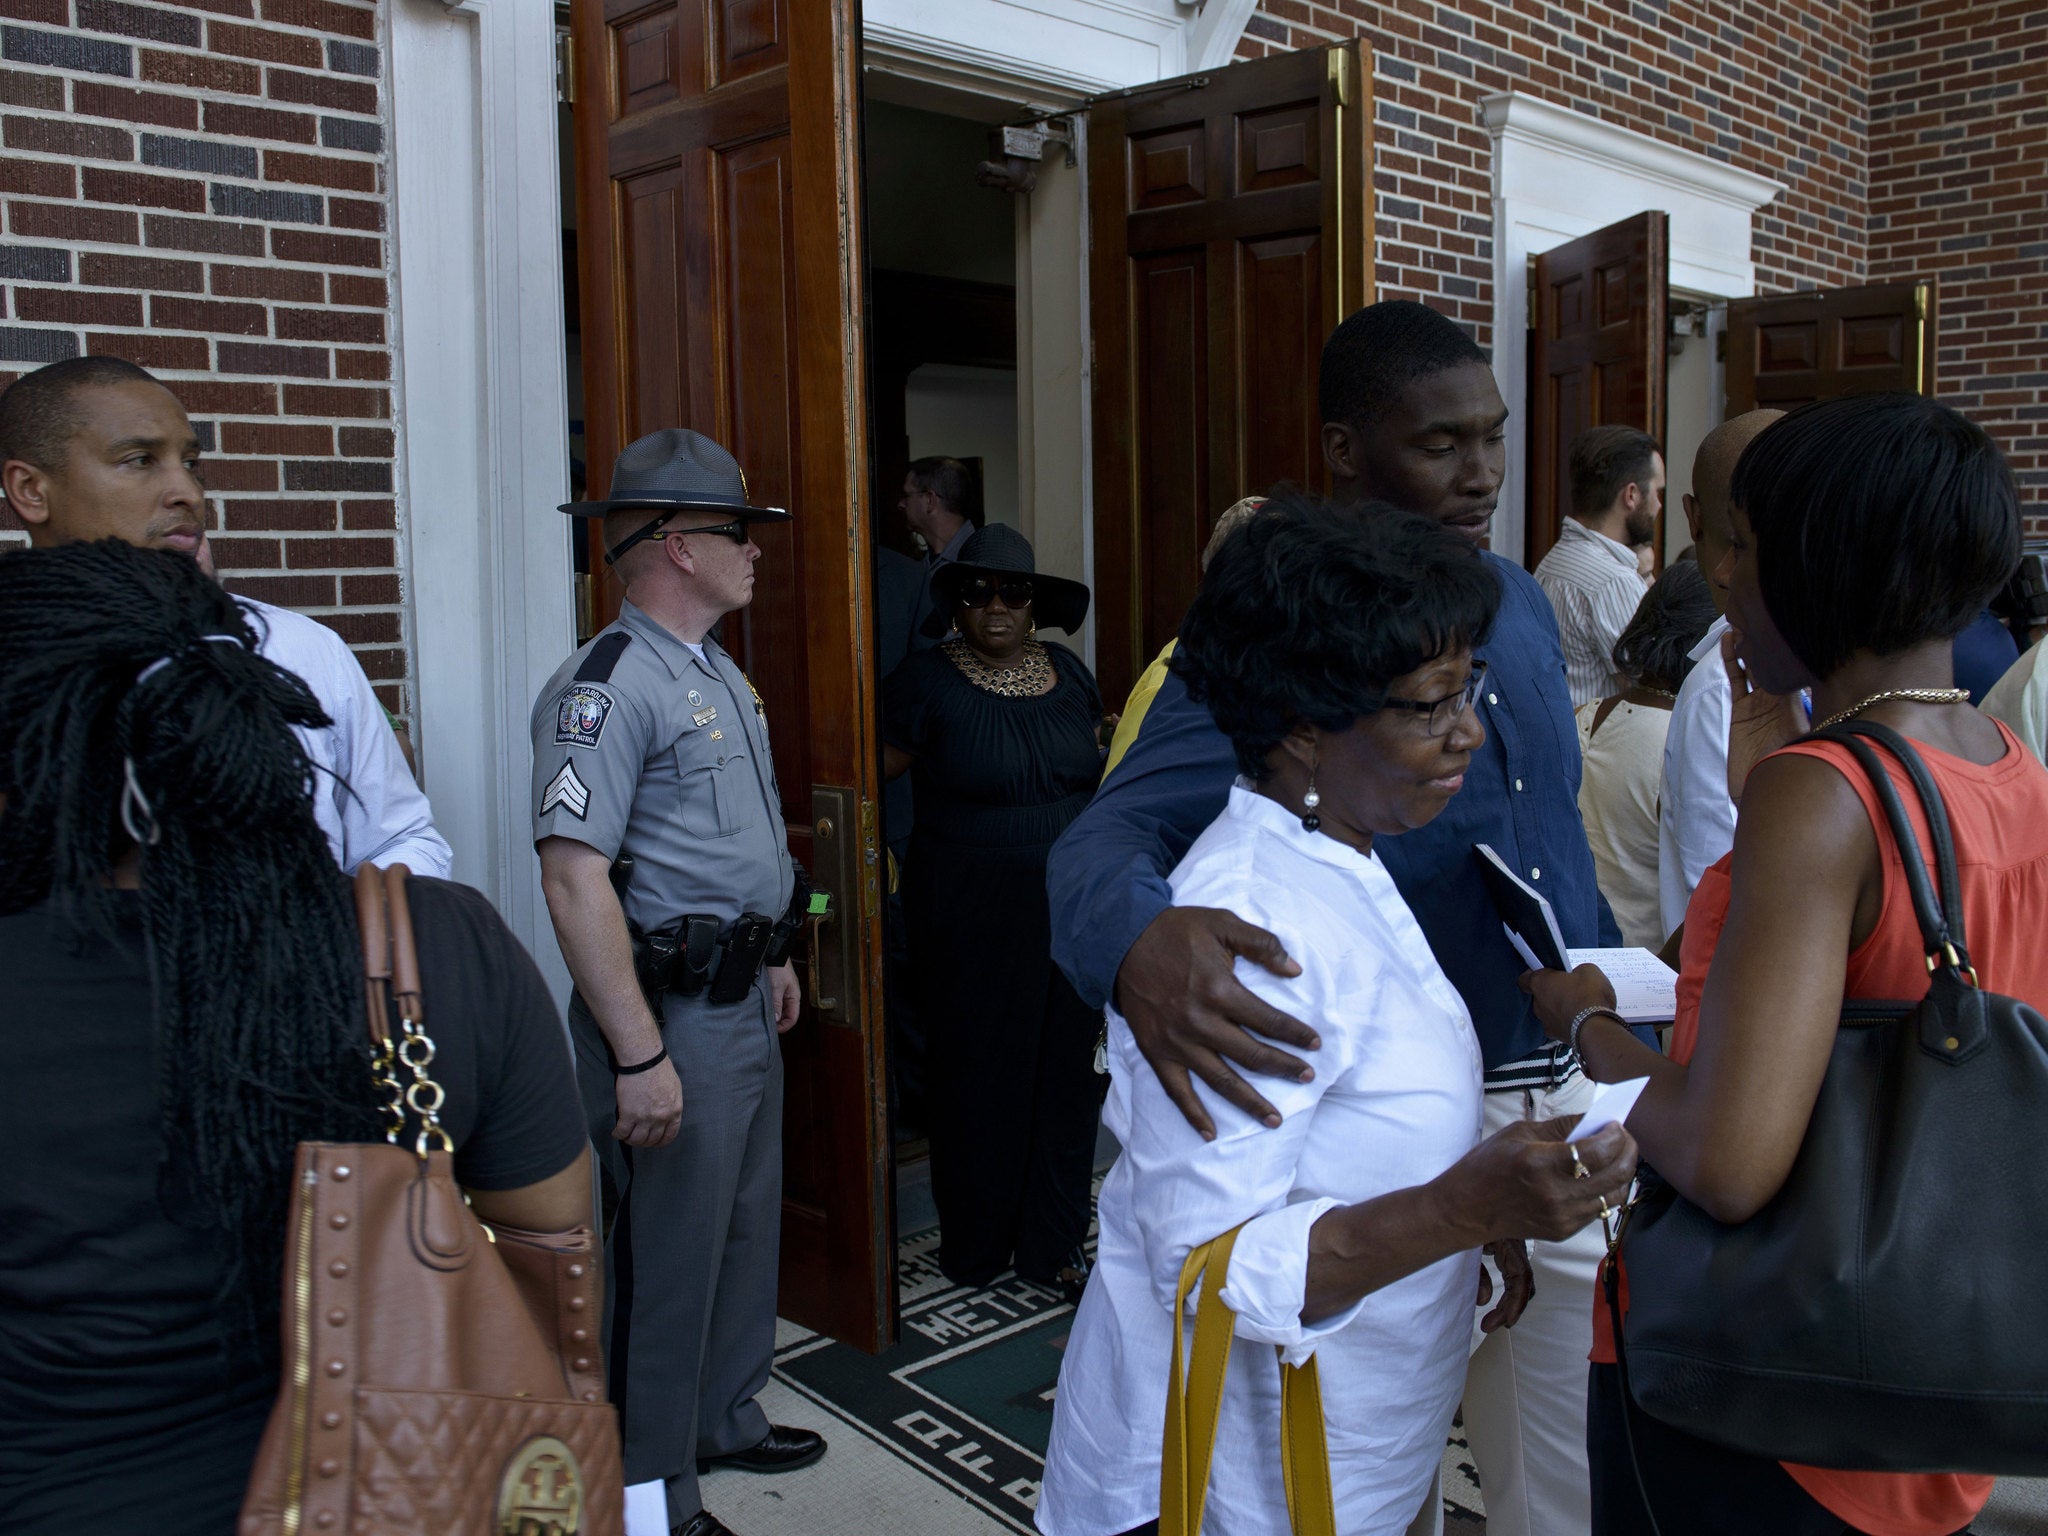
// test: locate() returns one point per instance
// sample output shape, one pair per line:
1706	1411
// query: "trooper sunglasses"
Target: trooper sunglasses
1445	712
1015	591
736	530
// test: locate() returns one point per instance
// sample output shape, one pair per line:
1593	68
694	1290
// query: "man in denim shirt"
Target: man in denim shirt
1412	416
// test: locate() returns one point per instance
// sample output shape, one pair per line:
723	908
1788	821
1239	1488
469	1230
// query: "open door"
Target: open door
1596	354
1231	220
1792	349
717	146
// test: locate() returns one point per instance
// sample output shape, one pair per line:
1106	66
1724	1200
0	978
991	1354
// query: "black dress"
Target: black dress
1012	1092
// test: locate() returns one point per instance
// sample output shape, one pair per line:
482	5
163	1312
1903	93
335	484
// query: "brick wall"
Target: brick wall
1959	193
1777	87
200	187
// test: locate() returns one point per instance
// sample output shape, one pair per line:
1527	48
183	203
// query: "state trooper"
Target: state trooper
674	899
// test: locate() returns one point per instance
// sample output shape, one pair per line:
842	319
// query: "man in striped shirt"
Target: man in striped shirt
1590	574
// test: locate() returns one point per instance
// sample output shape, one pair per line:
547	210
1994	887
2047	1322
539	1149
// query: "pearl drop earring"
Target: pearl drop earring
1310	821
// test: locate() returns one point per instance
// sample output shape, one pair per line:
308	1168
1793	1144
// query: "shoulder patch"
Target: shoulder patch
602	657
566	791
580	715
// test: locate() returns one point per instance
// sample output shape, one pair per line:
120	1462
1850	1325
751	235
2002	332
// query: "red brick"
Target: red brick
363	553
352	213
38	178
202	73
262	43
51	13
240	475
361	365
363	516
319	171
226	396
236	120
285	591
103	270
180	314
94	98
266	283
276	437
245	554
323	91
67	221
322	16
217	236
368	442
347	288
246	8
334	401
379	665
144	191
45	93
187	353
72	306
281	516
330	325
60	136
336	250
369	591
364	628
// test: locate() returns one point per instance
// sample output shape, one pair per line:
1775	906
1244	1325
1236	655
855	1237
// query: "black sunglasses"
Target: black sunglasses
736	530
1445	712
1015	591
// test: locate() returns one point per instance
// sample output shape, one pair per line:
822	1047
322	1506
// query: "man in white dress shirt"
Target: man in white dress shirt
1590	574
1695	817
95	448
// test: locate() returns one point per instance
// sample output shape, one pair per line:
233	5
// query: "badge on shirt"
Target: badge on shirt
579	719
566	791
705	715
696	698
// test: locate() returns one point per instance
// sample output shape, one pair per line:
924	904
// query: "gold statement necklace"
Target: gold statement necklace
1029	678
1910	695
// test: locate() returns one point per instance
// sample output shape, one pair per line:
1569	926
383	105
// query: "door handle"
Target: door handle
819	1001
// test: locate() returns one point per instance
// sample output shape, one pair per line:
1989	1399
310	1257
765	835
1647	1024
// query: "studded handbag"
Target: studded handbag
440	1377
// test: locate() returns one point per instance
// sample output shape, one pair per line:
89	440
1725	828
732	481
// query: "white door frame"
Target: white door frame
1559	174
482	413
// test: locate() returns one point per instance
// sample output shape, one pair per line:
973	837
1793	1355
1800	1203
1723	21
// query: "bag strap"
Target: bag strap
391	975
1192	1413
1940	917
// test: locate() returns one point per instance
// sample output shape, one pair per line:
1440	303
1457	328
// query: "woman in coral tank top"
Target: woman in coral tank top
1868	533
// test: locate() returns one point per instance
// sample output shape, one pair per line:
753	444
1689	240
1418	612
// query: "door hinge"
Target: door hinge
1920	301
1340	76
1535	295
565	67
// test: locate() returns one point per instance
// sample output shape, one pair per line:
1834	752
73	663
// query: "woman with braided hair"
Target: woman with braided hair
184	1006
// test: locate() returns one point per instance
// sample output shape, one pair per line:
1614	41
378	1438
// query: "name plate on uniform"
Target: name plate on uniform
705	715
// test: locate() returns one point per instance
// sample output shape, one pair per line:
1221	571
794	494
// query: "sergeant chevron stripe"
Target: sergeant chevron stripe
567	791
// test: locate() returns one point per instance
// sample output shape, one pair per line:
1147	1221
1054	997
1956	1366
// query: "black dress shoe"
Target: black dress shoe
702	1523
784	1450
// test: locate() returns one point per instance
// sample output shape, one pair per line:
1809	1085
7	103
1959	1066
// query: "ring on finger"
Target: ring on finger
1579	1169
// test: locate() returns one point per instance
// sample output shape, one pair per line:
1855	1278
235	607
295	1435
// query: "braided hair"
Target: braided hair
135	711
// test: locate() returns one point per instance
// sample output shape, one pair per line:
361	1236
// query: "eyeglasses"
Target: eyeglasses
1015	592
1447	711
736	530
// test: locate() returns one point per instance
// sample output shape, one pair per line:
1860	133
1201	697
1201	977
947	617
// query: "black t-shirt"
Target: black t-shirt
117	1397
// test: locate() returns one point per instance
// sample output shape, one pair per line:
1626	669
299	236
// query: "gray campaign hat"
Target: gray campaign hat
676	470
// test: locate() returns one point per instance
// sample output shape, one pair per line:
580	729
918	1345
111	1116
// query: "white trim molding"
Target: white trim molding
483	417
1559	174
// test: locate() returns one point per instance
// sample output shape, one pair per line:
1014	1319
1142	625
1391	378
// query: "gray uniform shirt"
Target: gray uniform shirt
639	747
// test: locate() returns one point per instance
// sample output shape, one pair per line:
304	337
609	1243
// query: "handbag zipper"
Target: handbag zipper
302	1360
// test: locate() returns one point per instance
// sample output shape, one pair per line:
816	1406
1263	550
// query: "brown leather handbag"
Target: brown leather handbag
441	1376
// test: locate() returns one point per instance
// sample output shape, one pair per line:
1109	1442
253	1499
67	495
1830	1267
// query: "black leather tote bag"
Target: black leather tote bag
1883	1312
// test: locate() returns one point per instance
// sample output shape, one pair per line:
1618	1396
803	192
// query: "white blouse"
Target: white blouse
1395	1101
1623	771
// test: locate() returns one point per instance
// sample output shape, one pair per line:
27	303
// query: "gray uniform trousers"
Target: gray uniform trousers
692	1238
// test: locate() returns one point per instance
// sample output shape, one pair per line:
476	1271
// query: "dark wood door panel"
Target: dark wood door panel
1787	350
1230	231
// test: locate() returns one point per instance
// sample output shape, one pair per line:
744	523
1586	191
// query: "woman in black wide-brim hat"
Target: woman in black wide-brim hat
1000	732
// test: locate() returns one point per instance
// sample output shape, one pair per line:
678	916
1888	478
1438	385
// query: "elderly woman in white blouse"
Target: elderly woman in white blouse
1334	648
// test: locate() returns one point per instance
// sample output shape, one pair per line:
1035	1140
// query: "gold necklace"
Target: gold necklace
1029	678
1910	695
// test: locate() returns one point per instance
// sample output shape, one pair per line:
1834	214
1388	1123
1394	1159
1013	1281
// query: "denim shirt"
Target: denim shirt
1107	875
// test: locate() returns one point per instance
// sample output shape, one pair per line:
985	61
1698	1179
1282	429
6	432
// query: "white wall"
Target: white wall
968	413
1693	409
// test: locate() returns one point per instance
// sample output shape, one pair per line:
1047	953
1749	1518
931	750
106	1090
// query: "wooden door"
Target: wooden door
719	208
1791	349
1231	220
1596	354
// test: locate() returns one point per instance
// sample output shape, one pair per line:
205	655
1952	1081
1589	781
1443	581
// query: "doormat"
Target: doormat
966	1394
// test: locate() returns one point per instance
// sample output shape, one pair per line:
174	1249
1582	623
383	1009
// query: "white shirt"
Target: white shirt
1396	1100
1695	817
364	797
2020	699
1595	585
1624	764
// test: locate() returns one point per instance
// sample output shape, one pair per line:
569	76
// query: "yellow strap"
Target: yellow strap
1192	1414
1132	719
